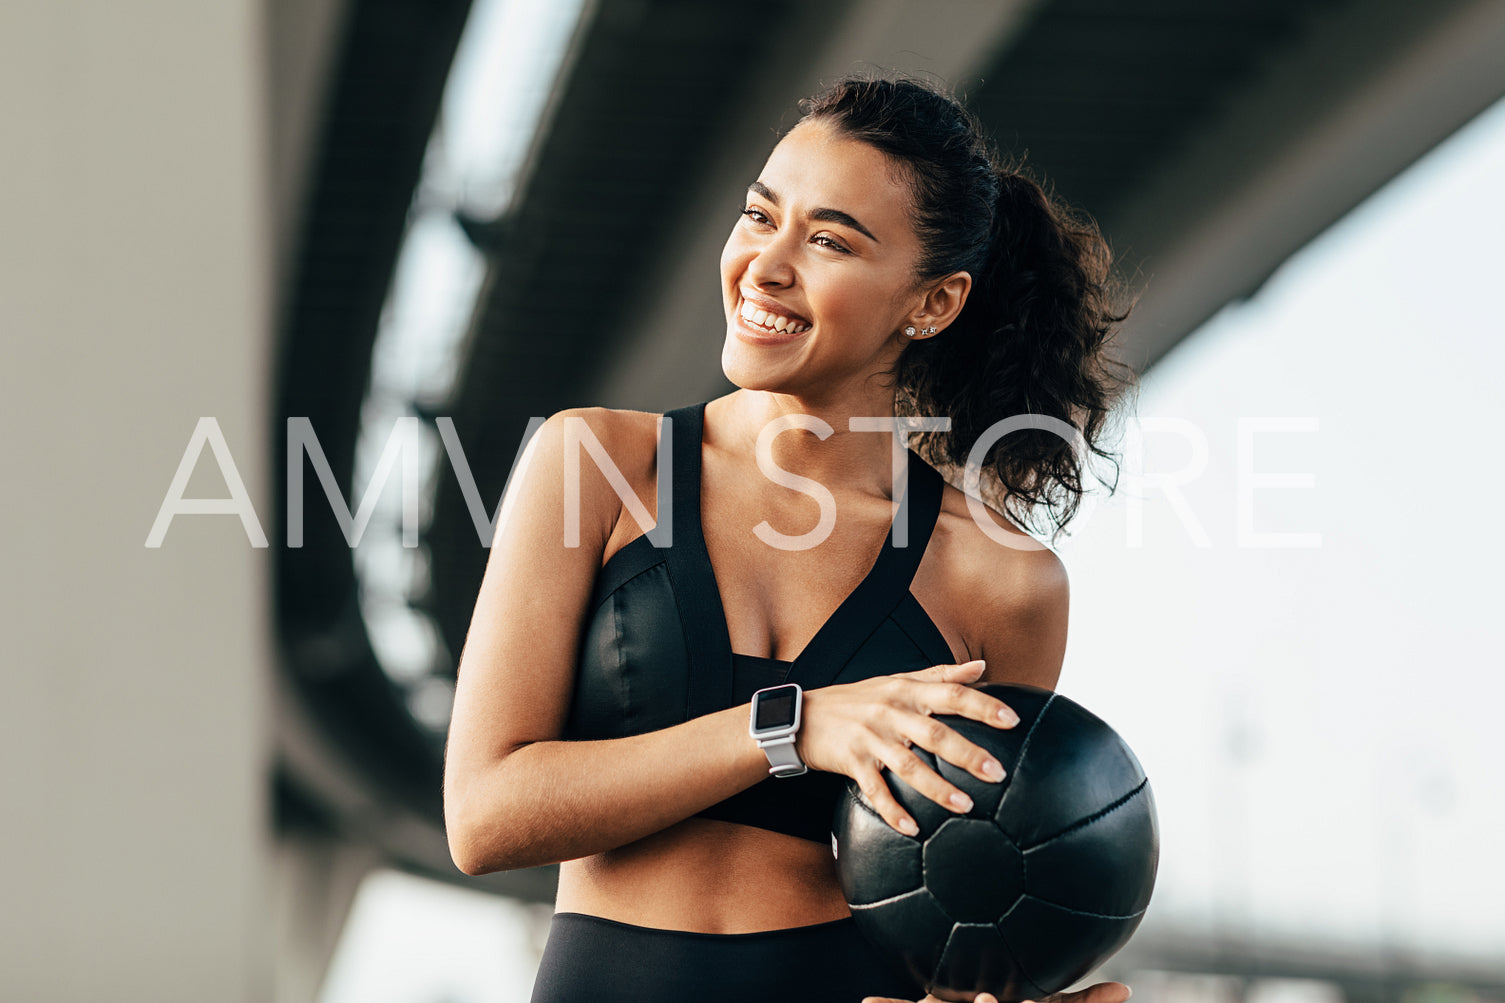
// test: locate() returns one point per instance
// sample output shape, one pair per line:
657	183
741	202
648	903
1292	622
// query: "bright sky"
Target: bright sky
1319	723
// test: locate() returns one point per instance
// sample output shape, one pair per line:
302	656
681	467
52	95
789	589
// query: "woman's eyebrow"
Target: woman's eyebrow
824	215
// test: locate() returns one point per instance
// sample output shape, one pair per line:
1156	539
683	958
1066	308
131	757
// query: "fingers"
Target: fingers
957	697
908	721
902	717
914	771
945	742
875	789
920	728
960	671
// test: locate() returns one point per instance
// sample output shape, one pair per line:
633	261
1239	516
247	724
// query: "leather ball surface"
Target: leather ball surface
1044	879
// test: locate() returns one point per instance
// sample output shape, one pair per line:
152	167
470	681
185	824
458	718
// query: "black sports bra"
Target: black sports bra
655	650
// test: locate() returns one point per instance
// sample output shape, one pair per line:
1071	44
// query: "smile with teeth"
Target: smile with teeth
771	321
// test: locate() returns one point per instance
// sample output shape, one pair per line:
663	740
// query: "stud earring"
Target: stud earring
909	330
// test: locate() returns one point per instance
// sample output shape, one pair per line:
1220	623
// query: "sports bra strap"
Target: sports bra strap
884	588
702	616
707	640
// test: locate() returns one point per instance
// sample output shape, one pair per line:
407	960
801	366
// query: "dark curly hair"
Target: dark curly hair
1034	333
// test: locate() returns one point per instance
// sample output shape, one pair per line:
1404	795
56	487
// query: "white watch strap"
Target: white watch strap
784	760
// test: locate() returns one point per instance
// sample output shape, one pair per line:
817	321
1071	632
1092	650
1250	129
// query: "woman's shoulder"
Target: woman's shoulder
613	421
1010	591
612	449
621	435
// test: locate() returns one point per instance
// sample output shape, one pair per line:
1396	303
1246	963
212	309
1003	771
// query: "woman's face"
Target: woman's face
826	242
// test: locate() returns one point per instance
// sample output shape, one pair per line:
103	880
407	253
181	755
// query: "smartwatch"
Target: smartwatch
775	720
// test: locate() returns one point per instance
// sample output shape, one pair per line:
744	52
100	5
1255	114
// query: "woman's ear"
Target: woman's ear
945	300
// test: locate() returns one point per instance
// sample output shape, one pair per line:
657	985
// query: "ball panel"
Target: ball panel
1058	946
874	861
909	930
1105	866
973	870
1073	766
977	959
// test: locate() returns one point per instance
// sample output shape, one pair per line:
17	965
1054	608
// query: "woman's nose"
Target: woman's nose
772	263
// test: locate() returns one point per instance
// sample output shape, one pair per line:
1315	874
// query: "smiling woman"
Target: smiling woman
621	704
854	277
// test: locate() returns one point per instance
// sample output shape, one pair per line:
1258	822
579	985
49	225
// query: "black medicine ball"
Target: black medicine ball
1045	878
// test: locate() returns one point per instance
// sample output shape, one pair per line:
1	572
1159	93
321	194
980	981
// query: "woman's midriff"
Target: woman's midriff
707	876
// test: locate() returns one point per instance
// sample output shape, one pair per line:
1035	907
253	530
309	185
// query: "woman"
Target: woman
883	264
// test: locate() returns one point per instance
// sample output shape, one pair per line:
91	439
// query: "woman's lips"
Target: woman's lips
750	332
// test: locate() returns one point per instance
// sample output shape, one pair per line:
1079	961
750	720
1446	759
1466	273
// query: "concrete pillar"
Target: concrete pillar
135	738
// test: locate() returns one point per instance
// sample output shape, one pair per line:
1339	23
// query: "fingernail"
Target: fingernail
961	801
1007	716
908	827
993	769
976	662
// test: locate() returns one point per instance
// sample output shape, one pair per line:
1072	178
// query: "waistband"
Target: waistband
784	933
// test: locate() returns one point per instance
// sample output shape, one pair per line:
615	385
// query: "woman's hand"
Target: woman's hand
1103	992
858	728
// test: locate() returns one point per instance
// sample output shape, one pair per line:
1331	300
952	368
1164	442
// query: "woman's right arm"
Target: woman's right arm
514	794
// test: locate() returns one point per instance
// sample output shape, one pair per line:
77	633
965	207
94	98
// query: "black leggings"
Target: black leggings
589	959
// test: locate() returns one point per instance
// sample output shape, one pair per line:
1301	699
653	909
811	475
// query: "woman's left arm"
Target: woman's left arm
1017	602
1021	604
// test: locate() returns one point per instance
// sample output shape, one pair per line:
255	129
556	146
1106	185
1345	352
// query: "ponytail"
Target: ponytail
1035	332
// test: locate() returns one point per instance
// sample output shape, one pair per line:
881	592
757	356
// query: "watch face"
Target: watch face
775	709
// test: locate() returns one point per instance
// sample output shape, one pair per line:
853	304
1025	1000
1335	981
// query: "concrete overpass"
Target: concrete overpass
205	210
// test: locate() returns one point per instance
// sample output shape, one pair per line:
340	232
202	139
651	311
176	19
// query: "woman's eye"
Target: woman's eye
756	215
